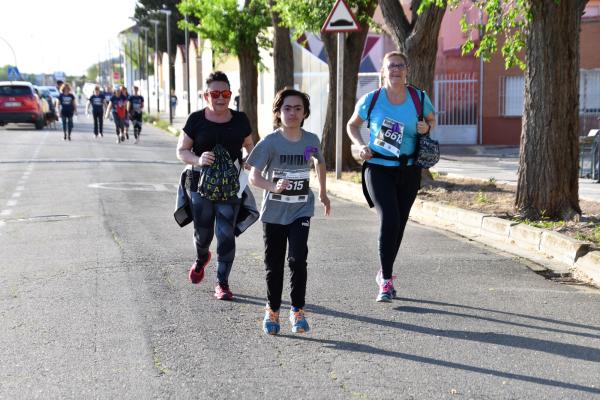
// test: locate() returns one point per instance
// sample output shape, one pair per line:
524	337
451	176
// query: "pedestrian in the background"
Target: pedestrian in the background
108	93
236	101
68	107
125	94
118	108
281	166
214	135
78	91
136	107
391	178
96	100
173	102
59	85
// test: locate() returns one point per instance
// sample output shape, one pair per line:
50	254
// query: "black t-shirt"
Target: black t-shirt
97	102
66	102
137	103
206	134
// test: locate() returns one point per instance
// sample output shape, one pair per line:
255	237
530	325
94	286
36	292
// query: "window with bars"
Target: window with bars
511	90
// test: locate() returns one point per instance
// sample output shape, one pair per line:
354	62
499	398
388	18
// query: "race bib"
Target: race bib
297	188
390	136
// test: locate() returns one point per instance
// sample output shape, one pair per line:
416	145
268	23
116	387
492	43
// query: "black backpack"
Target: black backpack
219	181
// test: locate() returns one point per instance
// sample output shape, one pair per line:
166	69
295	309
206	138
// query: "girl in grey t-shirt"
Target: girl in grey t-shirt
281	166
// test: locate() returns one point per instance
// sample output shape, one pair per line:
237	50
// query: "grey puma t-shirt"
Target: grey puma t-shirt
280	158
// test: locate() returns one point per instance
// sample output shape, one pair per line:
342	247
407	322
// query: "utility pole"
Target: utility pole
145	30
167	15
187	65
156	89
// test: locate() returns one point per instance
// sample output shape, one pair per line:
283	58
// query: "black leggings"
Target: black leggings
67	122
393	191
276	238
98	115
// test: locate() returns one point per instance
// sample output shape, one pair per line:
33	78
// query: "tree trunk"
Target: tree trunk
282	53
354	45
548	183
249	87
421	48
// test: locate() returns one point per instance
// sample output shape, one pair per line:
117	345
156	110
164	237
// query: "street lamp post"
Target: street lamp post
167	15
187	65
145	30
155	23
11	49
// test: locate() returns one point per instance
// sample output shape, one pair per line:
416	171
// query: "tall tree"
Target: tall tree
548	184
309	16
150	9
417	38
239	32
282	52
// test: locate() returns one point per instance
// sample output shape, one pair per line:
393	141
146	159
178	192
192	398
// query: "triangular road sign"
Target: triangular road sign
13	74
340	19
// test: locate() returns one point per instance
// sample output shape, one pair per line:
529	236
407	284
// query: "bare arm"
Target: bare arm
322	177
424	127
256	179
108	108
353	130
185	154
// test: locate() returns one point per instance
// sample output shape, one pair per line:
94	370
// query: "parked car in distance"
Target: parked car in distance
19	104
50	89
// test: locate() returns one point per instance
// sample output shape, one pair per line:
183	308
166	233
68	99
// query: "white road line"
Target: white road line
20	188
11	203
6	212
21	182
16	195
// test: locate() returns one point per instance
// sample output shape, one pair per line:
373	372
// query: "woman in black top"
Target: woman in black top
68	107
215	124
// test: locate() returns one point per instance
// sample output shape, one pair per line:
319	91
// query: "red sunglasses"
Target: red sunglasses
216	93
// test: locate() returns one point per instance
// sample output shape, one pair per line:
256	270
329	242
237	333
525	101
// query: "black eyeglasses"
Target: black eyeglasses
400	66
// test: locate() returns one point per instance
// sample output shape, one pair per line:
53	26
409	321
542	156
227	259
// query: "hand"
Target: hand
423	127
207	158
280	186
365	153
326	203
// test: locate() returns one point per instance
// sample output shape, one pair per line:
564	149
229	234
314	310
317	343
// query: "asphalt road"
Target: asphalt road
95	301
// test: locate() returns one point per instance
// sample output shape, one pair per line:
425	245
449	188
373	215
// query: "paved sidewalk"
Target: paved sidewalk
498	162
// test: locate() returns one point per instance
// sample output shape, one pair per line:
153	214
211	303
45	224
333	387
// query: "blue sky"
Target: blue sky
61	35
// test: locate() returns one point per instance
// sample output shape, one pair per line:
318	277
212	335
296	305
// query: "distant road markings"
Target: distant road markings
11	203
16	195
6	212
20	188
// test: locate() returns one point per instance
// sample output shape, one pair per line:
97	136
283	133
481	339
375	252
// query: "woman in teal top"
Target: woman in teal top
391	177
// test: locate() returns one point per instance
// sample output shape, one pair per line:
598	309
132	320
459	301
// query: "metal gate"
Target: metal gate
456	109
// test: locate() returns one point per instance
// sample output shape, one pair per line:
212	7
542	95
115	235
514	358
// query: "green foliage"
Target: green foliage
229	28
481	198
593	237
509	19
309	15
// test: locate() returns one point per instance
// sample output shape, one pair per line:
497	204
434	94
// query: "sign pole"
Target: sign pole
339	109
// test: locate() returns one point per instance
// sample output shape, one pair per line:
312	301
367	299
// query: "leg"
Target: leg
95	117
406	193
100	122
203	213
275	237
379	182
64	124
70	125
298	252
224	229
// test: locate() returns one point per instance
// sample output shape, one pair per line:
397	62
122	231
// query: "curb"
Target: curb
557	252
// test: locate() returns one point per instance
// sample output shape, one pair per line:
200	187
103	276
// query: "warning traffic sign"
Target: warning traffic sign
340	19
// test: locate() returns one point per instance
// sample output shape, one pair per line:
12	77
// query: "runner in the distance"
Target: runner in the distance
136	106
281	166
